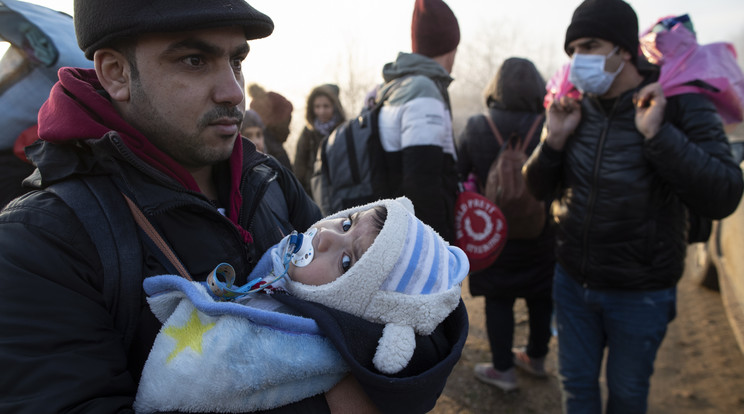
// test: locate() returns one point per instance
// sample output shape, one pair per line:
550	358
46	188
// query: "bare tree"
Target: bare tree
354	77
479	58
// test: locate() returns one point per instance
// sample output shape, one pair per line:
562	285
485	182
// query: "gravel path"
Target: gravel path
699	369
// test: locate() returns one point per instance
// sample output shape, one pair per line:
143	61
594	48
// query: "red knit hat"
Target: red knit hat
273	108
434	29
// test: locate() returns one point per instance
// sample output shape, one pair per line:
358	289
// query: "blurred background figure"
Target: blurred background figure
524	269
415	121
276	113
253	129
41	41
323	114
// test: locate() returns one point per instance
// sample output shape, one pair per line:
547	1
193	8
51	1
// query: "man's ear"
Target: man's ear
624	54
113	71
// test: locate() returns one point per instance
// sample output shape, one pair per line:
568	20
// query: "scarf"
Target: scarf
325	128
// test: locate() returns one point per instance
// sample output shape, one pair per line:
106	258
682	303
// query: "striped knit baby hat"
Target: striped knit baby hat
409	280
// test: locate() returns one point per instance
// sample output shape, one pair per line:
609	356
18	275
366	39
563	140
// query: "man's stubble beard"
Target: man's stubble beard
188	149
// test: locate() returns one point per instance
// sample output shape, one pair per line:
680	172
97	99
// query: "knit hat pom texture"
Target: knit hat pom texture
434	28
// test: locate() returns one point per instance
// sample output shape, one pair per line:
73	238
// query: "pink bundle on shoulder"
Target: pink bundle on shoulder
688	67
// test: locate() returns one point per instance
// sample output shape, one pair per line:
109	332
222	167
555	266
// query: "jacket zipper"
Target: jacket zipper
593	194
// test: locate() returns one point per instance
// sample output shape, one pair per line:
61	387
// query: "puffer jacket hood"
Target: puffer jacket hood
414	64
78	109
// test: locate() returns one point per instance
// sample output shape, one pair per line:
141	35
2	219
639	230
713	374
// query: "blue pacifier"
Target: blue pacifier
303	250
299	251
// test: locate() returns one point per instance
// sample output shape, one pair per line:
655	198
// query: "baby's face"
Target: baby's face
338	244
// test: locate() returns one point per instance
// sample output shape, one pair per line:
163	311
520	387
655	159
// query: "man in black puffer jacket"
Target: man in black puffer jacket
158	122
627	167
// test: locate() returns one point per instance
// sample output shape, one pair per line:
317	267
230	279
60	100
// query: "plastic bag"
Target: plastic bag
688	67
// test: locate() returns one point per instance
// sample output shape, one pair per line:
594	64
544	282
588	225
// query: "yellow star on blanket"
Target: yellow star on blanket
189	335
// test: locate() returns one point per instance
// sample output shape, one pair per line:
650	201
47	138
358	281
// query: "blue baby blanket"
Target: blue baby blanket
230	357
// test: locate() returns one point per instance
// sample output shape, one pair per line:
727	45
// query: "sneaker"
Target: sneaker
504	380
533	366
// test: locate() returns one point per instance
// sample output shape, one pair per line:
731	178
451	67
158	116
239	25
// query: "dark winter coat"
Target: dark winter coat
307	149
274	146
514	98
525	267
60	349
623	200
45	328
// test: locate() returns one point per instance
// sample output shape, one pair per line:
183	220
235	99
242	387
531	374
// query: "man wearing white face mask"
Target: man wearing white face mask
627	166
588	71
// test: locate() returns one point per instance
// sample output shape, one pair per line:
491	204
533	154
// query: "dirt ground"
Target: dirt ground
699	368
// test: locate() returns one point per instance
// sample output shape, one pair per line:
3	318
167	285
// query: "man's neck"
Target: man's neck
203	178
447	60
628	78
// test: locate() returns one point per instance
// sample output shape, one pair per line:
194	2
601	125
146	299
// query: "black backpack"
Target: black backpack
121	242
350	167
100	207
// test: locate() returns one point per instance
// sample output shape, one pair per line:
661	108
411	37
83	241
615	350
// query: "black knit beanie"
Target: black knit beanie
99	22
611	20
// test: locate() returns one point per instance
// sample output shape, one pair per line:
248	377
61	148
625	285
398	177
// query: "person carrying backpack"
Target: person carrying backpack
151	134
416	119
524	269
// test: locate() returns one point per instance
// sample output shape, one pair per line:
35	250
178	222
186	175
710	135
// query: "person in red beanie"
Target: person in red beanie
416	118
276	113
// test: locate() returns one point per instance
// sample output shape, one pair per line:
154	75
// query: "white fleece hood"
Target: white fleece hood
409	280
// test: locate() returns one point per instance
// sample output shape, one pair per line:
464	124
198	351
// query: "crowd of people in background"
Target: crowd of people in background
188	159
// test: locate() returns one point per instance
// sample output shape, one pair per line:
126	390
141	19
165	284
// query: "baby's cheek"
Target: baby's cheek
291	271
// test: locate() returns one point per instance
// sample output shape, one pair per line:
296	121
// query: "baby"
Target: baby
377	262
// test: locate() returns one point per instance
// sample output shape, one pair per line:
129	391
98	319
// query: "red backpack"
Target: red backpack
505	186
